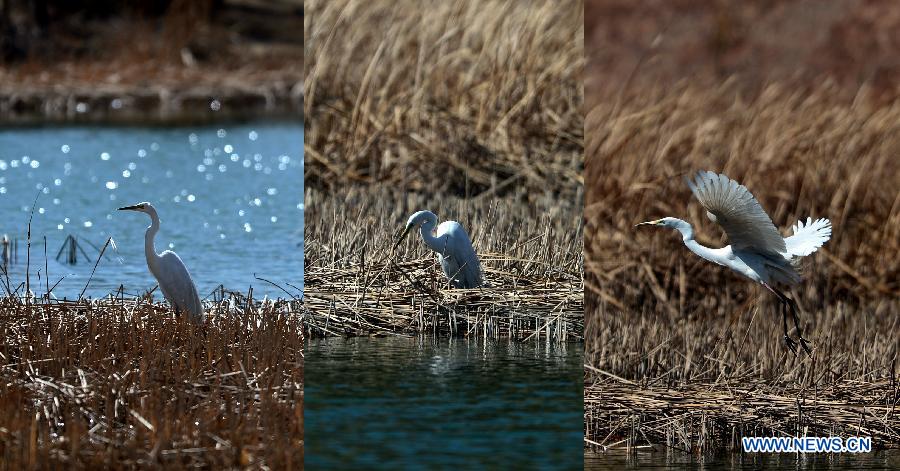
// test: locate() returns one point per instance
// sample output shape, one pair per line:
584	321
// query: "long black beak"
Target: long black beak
401	237
131	208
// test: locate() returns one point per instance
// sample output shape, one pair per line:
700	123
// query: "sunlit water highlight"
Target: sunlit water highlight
400	403
230	199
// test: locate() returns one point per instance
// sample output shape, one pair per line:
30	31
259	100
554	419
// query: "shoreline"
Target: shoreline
132	106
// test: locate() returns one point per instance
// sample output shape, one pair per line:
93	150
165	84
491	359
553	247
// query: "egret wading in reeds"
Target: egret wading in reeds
453	247
757	250
174	280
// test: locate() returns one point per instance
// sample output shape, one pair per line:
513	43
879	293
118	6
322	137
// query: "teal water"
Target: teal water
230	200
616	460
401	403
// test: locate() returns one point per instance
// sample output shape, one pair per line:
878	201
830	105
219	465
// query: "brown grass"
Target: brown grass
662	323
125	384
472	110
462	97
354	285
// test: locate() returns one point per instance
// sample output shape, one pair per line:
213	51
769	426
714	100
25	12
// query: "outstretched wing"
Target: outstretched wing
809	237
177	285
729	204
458	258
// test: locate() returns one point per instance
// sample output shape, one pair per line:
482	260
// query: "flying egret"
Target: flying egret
452	245
168	269
757	250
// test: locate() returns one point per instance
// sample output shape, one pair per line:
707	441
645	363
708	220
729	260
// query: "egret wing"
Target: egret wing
458	258
808	237
177	285
731	205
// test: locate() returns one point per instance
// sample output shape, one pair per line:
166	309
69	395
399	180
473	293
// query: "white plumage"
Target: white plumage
809	237
454	250
757	250
170	272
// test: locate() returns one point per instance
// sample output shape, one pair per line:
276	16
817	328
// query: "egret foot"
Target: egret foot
791	344
804	343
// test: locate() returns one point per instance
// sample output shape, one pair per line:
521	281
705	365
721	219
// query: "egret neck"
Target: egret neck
149	236
687	235
430	240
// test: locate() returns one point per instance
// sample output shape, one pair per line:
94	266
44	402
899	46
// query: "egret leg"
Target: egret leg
803	341
783	304
787	338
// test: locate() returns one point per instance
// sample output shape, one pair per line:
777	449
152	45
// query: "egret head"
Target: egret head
144	207
417	220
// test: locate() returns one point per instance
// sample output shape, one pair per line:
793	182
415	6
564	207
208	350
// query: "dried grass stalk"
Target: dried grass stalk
354	285
669	323
123	381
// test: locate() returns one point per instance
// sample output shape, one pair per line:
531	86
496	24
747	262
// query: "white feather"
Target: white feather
808	237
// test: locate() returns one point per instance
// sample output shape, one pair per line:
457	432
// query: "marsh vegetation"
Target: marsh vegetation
122	382
685	353
473	114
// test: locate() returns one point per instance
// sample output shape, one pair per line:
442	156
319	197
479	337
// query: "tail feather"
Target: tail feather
808	237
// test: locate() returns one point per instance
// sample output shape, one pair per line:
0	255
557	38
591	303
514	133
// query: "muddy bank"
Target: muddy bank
178	62
150	105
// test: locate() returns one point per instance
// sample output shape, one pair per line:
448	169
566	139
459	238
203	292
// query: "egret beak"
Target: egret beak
131	208
401	237
648	223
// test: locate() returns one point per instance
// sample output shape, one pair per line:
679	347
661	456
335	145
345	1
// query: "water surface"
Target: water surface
230	199
424	403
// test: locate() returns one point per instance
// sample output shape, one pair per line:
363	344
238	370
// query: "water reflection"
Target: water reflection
400	402
228	221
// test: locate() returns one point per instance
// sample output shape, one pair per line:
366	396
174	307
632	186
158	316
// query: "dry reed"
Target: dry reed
354	285
460	97
122	383
466	108
684	352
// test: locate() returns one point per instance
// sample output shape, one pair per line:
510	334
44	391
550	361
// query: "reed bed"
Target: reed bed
460	97
124	383
354	284
709	417
681	351
472	110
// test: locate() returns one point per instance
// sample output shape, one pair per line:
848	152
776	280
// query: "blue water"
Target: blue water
230	200
400	403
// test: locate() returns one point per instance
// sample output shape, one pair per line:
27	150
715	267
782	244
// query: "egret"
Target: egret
174	280
757	250
452	245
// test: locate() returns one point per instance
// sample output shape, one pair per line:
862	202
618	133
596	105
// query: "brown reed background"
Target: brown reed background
799	103
663	323
472	110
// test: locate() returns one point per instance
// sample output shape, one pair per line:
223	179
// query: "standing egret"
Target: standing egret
452	245
757	250
174	280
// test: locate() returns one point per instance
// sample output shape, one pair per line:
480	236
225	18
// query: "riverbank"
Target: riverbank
122	380
173	63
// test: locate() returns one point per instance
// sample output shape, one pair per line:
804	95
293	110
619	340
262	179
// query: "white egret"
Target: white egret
757	250
174	280
452	245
